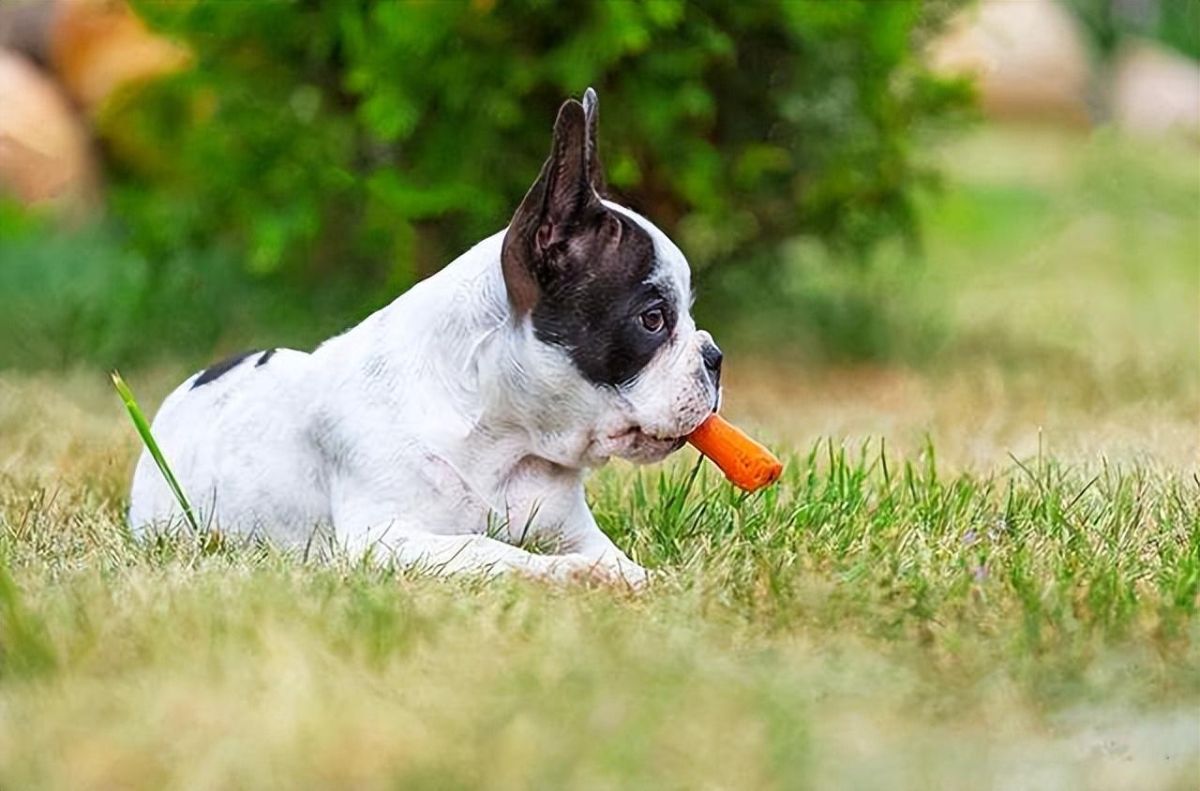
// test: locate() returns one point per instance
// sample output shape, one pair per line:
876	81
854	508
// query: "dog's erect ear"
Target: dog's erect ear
591	109
552	210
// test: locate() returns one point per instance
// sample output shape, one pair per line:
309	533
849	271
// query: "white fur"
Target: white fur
439	432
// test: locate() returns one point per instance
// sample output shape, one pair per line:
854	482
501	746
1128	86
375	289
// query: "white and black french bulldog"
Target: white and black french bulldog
458	422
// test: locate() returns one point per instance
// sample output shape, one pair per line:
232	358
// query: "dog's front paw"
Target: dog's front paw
579	568
626	572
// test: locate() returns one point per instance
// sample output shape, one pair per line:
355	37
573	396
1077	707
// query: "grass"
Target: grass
836	631
980	570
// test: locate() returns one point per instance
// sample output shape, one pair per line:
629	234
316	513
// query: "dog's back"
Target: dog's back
256	397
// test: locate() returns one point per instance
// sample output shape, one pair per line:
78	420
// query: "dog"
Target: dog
457	423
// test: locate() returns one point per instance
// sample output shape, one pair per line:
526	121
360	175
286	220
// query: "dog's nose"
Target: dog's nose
711	354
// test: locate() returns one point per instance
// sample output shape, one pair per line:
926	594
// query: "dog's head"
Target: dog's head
607	298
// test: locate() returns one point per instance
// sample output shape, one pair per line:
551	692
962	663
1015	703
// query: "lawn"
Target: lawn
981	570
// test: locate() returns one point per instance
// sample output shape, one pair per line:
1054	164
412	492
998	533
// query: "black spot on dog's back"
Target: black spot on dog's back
217	370
265	356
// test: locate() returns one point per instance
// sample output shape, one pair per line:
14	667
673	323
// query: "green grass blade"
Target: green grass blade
143	429
24	648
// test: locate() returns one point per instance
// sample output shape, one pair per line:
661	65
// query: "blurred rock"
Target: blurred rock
99	46
45	151
1155	91
60	62
1028	58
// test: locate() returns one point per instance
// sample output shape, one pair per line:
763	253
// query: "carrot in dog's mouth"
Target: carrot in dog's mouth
747	464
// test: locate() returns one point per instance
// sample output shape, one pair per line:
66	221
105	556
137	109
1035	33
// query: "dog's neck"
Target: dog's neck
499	395
525	391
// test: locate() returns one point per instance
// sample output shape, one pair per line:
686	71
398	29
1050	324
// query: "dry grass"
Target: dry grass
975	418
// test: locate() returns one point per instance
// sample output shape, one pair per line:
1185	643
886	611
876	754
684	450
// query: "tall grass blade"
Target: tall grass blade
143	429
24	649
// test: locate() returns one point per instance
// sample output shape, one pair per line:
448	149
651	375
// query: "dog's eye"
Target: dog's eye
653	320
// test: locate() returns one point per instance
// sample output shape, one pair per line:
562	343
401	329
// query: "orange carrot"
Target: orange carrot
745	463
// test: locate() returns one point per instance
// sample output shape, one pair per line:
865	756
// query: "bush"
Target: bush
372	142
1175	23
85	296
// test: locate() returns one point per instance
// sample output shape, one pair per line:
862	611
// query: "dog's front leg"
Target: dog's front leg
479	554
365	530
582	535
462	554
604	554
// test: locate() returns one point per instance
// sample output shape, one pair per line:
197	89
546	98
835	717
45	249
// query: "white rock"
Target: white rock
45	151
1155	91
1028	58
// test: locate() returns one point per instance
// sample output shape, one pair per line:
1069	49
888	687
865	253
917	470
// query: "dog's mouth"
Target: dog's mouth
637	444
638	435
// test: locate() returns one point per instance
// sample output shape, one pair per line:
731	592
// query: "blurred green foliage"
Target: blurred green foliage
86	295
317	158
375	141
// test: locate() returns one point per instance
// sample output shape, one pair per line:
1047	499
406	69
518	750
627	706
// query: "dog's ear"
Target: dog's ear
553	209
591	109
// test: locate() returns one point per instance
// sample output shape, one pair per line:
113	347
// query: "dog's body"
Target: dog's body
457	422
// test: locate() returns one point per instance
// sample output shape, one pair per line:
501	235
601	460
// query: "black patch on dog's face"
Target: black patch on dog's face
265	357
217	370
581	270
594	297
